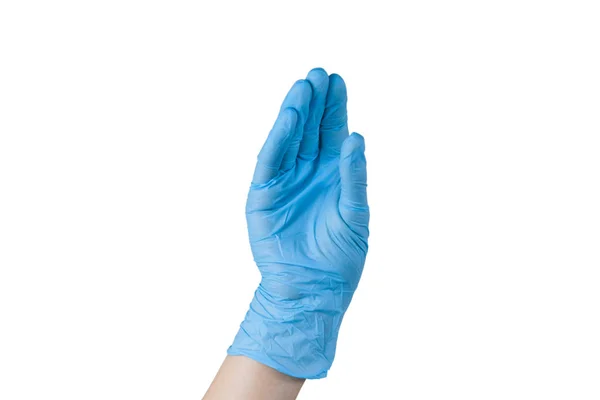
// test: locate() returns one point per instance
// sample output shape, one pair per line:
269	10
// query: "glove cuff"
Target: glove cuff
291	337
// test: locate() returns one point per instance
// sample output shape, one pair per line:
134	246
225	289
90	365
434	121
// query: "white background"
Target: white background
128	136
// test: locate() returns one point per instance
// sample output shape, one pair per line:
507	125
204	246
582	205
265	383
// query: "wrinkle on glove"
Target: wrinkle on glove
308	216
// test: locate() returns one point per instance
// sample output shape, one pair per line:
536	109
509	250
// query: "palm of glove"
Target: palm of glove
300	241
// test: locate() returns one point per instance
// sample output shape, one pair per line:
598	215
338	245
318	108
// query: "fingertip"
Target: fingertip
299	98
303	85
319	81
318	69
290	115
318	78
357	137
337	84
354	142
337	97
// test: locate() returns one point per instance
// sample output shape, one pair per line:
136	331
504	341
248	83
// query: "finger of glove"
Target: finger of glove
298	98
354	207
309	146
272	153
289	159
334	125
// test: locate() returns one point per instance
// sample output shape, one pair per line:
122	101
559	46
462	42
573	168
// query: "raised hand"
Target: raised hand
308	218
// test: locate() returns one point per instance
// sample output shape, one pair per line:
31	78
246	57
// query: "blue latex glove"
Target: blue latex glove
308	221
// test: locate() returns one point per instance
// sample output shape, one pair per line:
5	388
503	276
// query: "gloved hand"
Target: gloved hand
308	218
